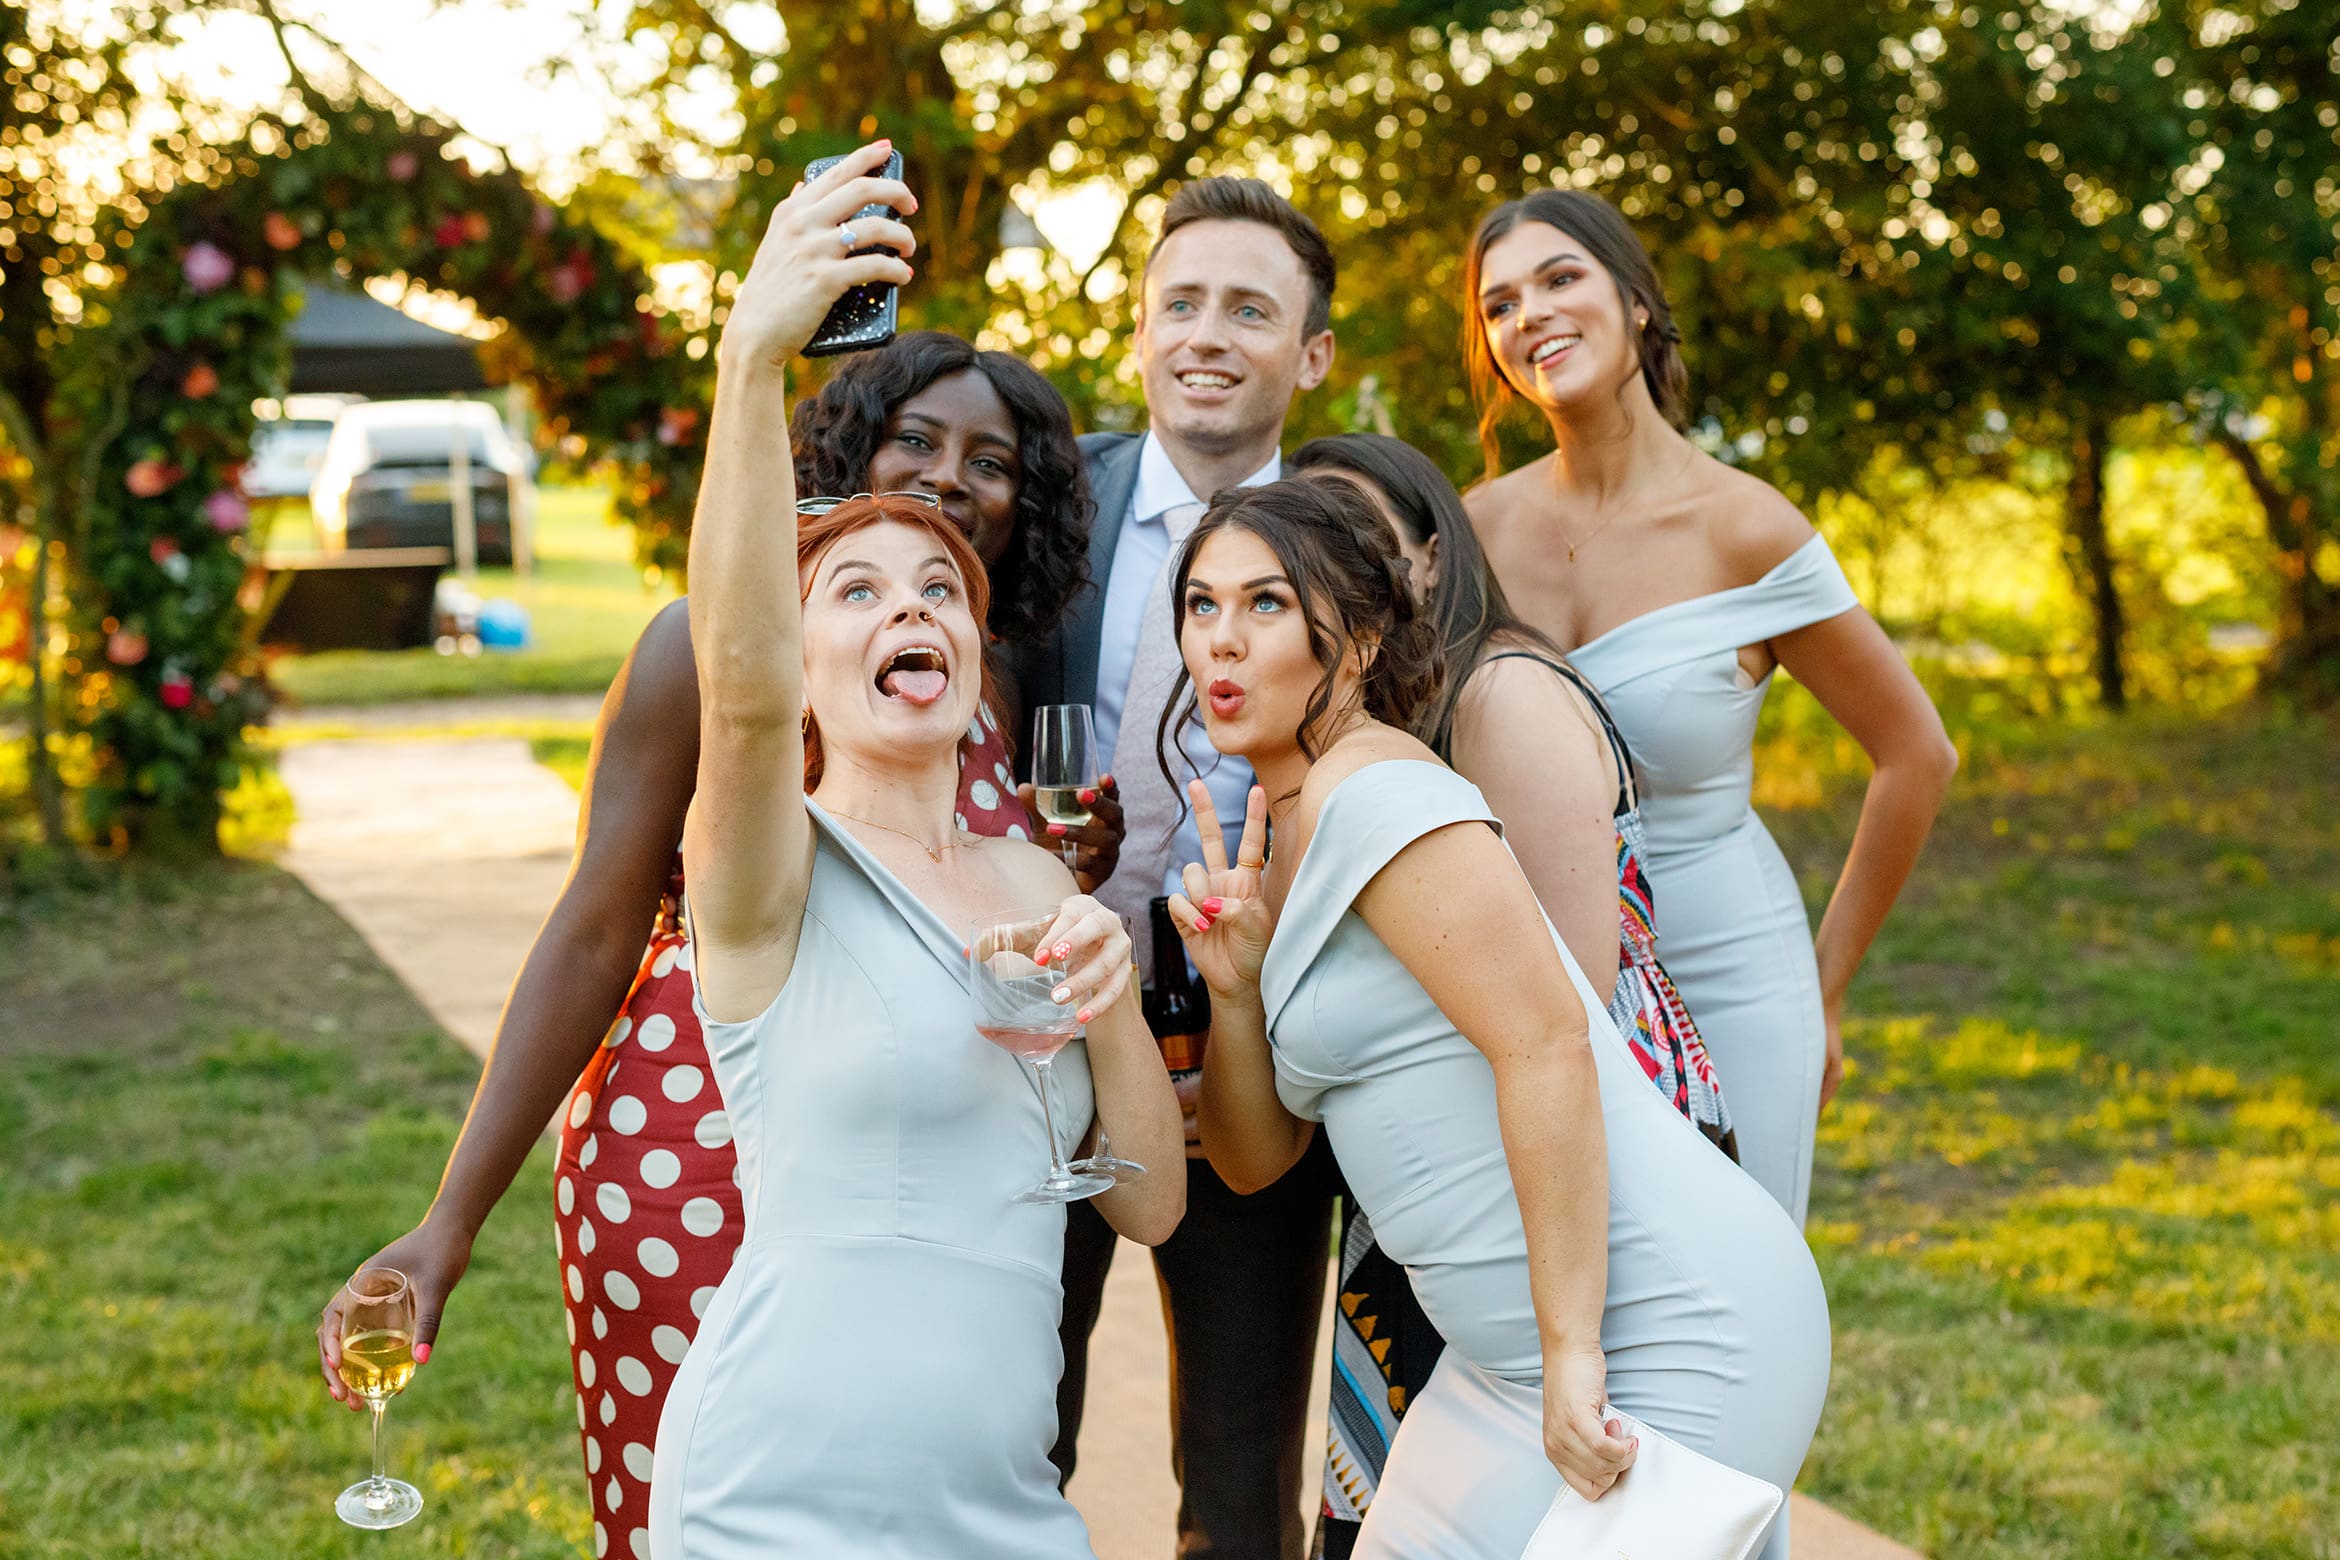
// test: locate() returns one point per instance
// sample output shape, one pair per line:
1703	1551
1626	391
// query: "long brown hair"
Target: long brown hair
1466	612
816	534
1614	246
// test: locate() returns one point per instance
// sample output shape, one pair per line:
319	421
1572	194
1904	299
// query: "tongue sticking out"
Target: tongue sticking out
915	686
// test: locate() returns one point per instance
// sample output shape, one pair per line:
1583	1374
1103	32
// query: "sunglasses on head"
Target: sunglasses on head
821	506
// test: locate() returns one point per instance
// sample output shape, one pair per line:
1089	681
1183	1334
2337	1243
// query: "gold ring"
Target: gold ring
1251	866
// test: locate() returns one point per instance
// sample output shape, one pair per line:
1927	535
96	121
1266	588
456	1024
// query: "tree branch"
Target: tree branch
1200	133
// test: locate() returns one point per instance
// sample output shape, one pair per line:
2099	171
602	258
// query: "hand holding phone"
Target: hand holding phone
822	245
865	317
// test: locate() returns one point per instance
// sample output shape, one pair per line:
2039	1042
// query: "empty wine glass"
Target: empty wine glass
1014	1010
377	1360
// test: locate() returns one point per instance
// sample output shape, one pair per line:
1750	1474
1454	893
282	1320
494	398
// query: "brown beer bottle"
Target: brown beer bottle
1178	1011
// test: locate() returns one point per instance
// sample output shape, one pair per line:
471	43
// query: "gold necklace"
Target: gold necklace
1589	535
934	856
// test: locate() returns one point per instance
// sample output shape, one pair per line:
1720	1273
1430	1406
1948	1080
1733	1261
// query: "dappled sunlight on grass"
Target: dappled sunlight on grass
2078	1204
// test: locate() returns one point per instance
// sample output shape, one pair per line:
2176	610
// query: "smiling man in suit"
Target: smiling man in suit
1234	323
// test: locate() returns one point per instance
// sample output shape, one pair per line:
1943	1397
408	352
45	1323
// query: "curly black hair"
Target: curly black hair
836	434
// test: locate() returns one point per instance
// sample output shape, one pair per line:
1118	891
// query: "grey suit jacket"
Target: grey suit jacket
1062	669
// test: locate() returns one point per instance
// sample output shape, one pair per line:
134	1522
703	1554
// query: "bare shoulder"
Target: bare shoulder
1517	715
1510	689
1753	524
1497	503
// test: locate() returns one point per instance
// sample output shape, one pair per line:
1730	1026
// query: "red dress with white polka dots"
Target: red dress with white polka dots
648	1210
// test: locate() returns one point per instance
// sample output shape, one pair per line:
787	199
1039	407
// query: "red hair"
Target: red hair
816	534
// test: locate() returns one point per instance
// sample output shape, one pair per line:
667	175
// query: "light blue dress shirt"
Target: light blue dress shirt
1137	559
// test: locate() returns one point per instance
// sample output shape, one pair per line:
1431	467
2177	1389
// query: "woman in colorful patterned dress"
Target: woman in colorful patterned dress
648	1212
1533	736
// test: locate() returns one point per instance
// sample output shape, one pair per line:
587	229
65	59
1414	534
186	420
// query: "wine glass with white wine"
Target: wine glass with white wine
377	1361
1064	764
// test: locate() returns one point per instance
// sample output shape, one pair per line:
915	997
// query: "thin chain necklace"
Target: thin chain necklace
1589	535
934	856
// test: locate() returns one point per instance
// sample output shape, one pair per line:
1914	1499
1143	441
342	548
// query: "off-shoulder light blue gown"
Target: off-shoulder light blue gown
1715	1326
876	1376
1735	935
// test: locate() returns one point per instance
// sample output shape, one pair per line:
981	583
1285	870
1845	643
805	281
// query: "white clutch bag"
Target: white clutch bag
1672	1504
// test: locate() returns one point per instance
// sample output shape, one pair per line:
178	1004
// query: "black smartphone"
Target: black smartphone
864	317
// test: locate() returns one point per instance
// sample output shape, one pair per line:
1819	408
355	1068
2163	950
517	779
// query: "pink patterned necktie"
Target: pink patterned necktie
1150	805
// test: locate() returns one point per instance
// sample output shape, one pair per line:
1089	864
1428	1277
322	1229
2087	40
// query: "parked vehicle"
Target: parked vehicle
289	449
388	477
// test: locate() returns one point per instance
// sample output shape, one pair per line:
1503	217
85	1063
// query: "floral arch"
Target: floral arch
161	664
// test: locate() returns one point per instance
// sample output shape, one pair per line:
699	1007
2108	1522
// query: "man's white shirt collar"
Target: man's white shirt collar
1160	488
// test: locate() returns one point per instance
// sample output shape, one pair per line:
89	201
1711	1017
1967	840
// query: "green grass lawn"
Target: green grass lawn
2079	1203
586	602
2078	1206
215	1104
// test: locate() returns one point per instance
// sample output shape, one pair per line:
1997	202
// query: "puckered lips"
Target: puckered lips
1226	696
916	673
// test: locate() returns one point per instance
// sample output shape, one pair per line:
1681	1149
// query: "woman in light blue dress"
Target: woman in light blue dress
1389	974
1678	585
876	1375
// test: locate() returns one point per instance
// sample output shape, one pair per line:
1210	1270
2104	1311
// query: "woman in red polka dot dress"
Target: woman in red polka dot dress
648	1213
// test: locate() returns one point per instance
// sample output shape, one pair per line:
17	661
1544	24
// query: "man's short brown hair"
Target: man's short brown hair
1226	199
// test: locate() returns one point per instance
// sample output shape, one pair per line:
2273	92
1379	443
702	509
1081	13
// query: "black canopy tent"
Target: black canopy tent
348	343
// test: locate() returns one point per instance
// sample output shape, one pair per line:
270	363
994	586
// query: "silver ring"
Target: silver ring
845	235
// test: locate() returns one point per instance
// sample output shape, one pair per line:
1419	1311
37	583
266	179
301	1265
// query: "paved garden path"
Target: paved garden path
445	855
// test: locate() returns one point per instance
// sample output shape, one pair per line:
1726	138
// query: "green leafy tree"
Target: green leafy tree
2262	89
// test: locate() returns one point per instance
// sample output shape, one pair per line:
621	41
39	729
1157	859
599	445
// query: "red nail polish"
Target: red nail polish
1212	906
1056	829
422	1354
1202	923
1041	958
1084	1015
1088	796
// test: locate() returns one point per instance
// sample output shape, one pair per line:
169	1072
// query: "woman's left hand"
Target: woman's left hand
1583	1443
1089	951
1097	843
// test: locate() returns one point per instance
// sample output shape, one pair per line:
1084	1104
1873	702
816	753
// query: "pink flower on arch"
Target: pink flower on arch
227	511
402	166
151	477
178	690
207	268
571	277
126	647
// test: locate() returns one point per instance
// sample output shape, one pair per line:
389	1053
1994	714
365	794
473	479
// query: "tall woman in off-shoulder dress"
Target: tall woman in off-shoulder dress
1678	585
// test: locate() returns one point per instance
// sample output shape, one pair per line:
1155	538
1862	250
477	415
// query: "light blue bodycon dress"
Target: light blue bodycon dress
1715	1326
1736	939
876	1376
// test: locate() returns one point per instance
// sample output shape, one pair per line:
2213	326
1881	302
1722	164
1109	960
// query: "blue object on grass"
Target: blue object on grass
503	625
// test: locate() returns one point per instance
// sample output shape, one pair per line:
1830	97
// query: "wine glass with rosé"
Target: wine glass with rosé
1016	1011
